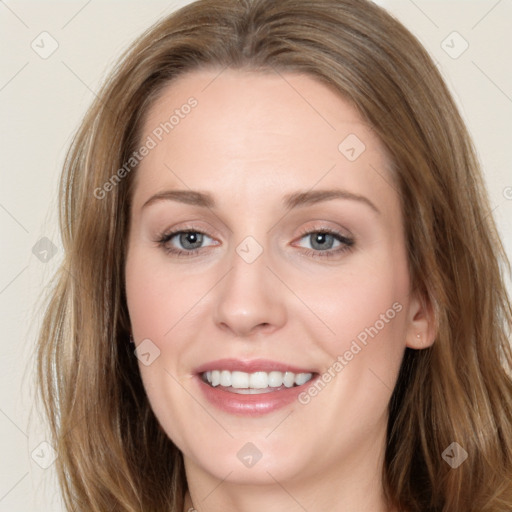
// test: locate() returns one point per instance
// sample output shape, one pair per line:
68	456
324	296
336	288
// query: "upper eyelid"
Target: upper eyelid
209	232
190	228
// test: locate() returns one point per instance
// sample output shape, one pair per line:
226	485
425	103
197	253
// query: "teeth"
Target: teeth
215	378
225	378
257	380
240	380
275	379
289	379
302	378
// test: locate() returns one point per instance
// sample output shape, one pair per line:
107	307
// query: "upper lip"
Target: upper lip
251	366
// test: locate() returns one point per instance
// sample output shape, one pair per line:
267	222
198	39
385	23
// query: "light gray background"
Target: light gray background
42	102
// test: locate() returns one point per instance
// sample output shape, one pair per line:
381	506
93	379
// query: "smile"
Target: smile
252	387
254	383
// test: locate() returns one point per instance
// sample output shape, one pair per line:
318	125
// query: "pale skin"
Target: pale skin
253	139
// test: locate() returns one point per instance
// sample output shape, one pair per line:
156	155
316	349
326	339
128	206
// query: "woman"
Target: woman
280	206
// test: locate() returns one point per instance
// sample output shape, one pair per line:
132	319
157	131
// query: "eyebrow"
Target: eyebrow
290	201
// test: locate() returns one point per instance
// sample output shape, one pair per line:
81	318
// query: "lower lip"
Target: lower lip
251	405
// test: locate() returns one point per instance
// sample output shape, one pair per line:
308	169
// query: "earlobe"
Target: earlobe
421	330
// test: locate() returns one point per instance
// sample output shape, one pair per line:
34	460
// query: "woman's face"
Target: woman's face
295	268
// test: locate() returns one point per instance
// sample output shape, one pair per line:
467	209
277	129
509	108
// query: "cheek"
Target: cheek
156	299
365	309
361	301
145	302
158	303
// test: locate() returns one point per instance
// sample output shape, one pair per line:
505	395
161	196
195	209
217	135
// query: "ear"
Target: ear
421	324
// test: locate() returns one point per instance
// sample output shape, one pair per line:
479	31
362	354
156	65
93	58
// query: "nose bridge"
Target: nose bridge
248	300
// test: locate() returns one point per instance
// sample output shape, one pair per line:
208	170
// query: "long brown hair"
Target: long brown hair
113	454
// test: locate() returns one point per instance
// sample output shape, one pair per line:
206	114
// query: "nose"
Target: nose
250	299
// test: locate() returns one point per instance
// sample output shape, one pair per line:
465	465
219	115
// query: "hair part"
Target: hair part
113	454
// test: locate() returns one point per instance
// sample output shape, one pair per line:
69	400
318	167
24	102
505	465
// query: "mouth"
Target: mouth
255	383
252	388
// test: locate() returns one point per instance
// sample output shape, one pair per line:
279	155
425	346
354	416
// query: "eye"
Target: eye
325	243
185	242
322	243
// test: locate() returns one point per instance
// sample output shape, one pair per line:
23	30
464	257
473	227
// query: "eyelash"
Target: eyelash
347	243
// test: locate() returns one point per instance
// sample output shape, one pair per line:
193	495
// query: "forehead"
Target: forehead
242	130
